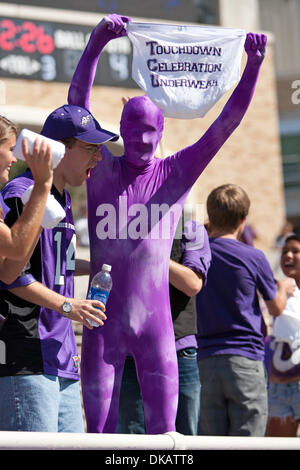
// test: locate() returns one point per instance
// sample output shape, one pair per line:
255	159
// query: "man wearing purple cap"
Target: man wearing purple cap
38	352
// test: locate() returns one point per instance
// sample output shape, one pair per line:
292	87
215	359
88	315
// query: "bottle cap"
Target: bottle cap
106	267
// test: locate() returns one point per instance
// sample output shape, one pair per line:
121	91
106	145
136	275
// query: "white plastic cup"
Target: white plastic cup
58	149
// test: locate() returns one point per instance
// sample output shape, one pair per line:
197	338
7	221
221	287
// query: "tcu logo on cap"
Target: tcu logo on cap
86	119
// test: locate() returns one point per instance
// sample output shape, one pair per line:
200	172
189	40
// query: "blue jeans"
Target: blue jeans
131	414
189	392
40	403
284	400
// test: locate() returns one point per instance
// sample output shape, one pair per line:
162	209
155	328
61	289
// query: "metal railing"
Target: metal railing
10	440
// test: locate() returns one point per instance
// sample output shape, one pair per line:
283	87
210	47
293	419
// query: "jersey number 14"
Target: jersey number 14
70	258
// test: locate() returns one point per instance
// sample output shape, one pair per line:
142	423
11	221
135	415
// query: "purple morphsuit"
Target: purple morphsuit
134	204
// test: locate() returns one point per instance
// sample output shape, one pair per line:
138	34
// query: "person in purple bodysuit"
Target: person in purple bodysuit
139	321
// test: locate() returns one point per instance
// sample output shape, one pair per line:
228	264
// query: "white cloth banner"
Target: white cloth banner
185	69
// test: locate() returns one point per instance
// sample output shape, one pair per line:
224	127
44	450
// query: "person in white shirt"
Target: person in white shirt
284	367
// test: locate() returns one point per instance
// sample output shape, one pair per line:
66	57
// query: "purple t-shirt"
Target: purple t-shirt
39	340
196	256
229	318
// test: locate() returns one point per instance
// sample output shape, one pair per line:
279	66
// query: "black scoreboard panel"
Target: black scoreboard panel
44	50
49	51
198	11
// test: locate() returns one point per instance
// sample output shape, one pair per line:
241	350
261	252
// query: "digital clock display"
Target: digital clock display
28	36
50	51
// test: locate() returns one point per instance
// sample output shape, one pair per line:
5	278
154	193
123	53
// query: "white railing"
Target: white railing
170	441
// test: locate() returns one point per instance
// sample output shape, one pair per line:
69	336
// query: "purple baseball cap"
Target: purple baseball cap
75	121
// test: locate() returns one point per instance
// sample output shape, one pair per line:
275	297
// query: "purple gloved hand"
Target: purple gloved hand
111	27
117	24
255	47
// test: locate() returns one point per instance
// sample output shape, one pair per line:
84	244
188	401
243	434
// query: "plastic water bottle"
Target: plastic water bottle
100	287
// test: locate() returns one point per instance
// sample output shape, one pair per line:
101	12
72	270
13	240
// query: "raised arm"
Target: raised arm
110	27
18	242
197	156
